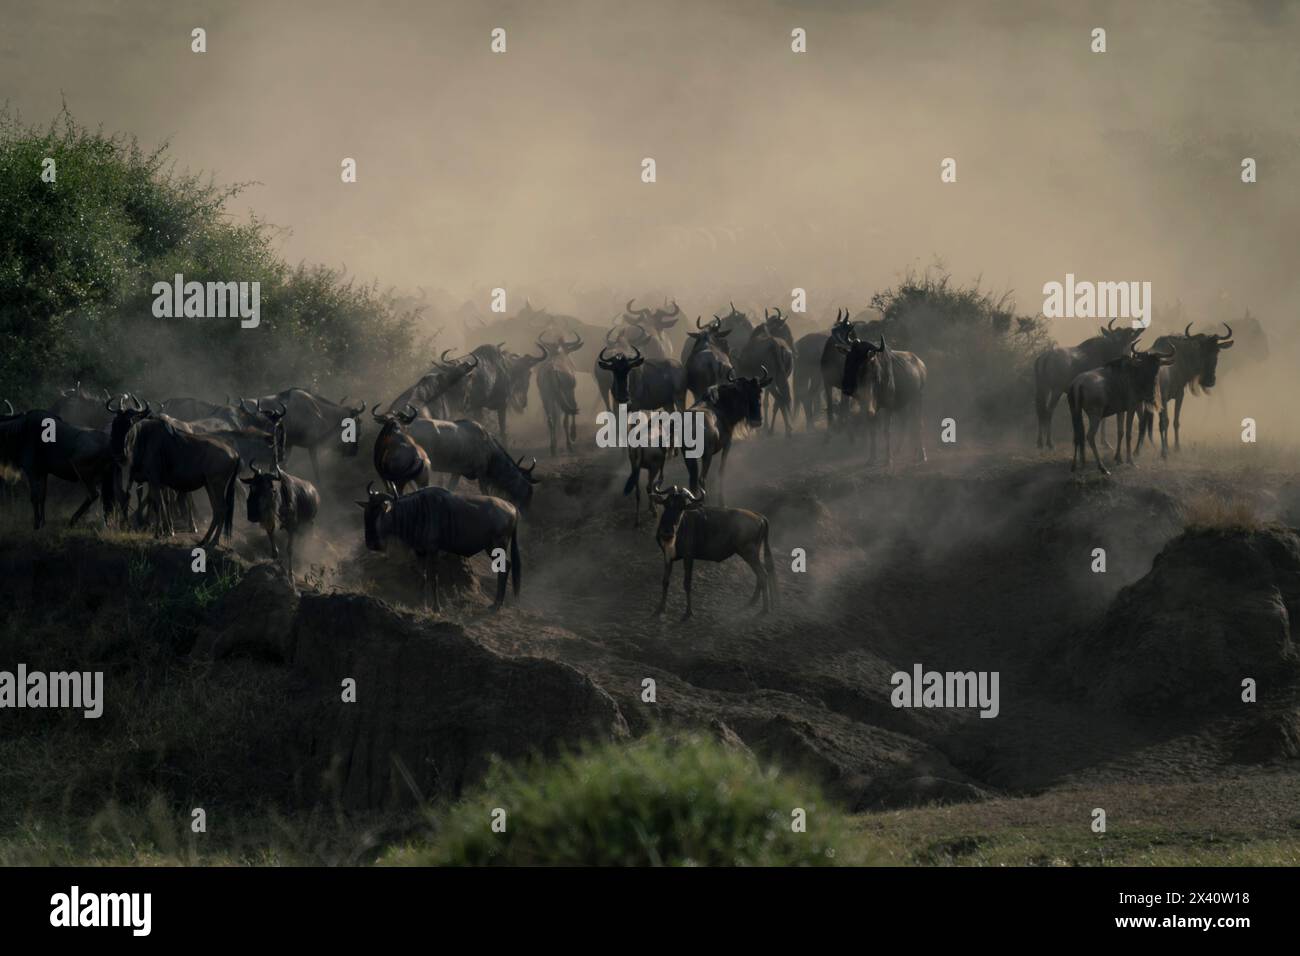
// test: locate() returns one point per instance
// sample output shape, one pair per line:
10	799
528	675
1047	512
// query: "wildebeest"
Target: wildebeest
439	389
689	531
38	444
77	406
643	384
771	346
708	357
519	369
277	499
557	381
434	519
398	457
733	331
158	453
500	382
888	381
806	379
1195	367
1123	387
831	366
654	340
464	449
1056	368
311	422
723	408
652	458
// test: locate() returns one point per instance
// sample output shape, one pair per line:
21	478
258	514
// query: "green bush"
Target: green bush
653	802
79	257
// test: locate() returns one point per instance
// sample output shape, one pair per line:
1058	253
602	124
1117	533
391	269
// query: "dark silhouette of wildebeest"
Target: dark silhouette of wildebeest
398	457
888	382
723	408
557	381
689	531
72	453
76	406
1195	367
438	389
732	332
156	452
831	366
434	519
655	341
464	449
643	383
1122	387
499	383
771	346
708	357
1056	368
313	422
806	380
620	338
277	499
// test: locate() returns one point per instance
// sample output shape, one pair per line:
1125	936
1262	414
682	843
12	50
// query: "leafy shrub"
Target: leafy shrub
649	803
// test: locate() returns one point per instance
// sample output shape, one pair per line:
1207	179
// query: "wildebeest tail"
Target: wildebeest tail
514	558
228	522
768	563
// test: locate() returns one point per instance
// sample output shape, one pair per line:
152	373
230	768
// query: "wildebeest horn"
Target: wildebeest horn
136	401
358	410
546	353
369	486
778	314
444	360
638	359
574	345
1187	331
1110	326
731	374
374	413
500	346
474	366
608	340
108	394
108	404
764	378
1228	336
11	406
601	360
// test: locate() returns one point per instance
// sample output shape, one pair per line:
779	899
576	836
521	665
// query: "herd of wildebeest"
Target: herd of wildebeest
143	462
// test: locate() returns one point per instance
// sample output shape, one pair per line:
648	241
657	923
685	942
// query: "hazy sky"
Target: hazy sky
774	169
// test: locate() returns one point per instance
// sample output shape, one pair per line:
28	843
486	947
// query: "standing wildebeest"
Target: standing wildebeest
888	381
557	380
735	324
771	345
807	374
434	519
831	365
278	499
156	452
1123	386
492	386
1056	368
74	454
1195	367
311	422
439	389
688	531
655	341
399	459
642	383
724	407
708	357
652	458
464	449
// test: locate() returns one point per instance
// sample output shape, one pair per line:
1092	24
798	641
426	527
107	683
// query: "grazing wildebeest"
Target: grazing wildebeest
807	374
708	358
464	449
399	459
277	499
689	531
557	381
434	519
1056	368
438	390
76	406
311	422
72	453
1194	368
888	381
723	408
1122	387
771	345
641	383
157	453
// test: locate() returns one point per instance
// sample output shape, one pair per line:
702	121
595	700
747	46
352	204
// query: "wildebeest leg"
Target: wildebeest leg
36	488
1094	422
760	579
573	431
187	500
1119	437
431	572
289	551
1178	414
270	536
1128	436
92	494
1052	402
501	424
663	595
830	414
688	566
920	429
1164	431
693	470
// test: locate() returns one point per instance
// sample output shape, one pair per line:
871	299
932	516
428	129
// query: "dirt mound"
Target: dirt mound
396	575
432	705
1217	607
254	619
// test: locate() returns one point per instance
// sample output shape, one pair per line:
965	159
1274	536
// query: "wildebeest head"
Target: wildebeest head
124	418
858	356
270	418
1202	355
1142	369
620	366
513	478
675	502
712	334
774	323
519	369
743	397
349	449
379	510
1121	338
262	495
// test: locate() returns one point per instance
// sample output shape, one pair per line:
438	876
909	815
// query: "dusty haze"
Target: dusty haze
775	170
